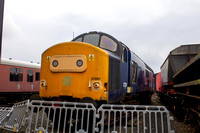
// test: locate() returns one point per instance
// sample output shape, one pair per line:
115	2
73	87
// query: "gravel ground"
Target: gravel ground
176	125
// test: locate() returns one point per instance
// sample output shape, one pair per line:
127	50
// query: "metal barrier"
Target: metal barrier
17	116
61	117
4	114
134	119
51	116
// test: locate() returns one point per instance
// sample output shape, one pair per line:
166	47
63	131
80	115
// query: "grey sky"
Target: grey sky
150	28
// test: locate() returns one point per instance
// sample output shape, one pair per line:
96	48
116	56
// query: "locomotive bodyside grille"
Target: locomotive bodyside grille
114	74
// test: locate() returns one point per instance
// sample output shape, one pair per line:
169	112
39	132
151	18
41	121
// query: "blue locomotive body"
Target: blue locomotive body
129	76
135	77
97	66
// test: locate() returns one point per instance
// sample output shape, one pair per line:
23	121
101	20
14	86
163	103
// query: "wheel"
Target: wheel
89	100
35	97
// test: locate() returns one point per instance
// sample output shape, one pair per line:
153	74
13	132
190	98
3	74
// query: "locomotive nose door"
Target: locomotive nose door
124	70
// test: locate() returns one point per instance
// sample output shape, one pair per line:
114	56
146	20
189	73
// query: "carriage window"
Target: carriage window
37	76
30	71
79	39
13	70
29	75
16	74
108	43
92	39
134	77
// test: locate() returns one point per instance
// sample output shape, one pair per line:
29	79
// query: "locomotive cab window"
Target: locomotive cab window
29	75
101	40
108	43
92	39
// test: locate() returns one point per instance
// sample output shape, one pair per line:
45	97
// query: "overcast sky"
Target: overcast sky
150	28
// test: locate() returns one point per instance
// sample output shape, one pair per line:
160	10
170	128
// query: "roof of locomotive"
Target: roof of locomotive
119	44
95	32
17	63
118	51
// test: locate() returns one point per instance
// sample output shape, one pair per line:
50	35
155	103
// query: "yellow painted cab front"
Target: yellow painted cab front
75	69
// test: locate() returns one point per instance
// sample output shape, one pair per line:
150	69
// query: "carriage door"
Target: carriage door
124	70
30	79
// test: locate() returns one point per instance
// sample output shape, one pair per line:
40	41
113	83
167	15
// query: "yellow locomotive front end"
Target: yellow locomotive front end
75	69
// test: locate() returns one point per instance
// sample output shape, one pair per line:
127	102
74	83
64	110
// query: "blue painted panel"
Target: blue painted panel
117	93
139	85
124	77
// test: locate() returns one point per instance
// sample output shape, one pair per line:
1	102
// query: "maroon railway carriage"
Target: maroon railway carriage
19	80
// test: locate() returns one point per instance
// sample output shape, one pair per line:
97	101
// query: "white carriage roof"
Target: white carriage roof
17	63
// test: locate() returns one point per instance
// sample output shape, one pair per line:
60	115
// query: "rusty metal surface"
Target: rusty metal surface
177	59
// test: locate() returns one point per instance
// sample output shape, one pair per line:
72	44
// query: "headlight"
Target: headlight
79	63
96	86
55	63
43	83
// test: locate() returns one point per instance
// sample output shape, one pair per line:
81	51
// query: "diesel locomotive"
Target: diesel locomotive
94	67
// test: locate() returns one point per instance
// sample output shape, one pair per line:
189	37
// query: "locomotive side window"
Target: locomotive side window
134	67
147	74
37	76
16	74
29	75
108	43
124	55
92	39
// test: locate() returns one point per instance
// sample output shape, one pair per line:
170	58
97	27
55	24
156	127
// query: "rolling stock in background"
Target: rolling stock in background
19	80
95	67
178	83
